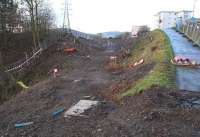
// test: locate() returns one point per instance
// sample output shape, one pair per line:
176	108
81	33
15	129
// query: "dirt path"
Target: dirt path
187	78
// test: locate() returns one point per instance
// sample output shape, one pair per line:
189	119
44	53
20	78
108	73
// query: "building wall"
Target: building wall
167	20
135	30
172	19
184	15
138	29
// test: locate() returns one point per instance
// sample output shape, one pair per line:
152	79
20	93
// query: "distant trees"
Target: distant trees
8	16
41	18
32	8
33	16
46	20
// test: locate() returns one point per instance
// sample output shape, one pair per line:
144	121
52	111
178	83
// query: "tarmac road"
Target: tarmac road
186	78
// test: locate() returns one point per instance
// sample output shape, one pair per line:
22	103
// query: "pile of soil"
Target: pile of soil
158	112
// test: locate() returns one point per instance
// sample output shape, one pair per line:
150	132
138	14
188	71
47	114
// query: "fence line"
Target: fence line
192	31
53	36
79	34
20	66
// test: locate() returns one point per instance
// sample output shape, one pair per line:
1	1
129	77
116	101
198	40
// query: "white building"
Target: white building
166	19
184	15
139	29
169	19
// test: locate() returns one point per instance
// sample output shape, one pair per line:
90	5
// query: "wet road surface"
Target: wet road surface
186	78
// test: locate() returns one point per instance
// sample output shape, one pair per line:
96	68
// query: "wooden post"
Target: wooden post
26	55
187	29
184	28
197	36
198	41
33	53
113	61
74	40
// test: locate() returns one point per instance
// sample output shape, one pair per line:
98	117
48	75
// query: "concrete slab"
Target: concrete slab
80	108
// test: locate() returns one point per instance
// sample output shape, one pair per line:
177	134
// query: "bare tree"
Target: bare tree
32	8
41	18
46	20
7	16
31	15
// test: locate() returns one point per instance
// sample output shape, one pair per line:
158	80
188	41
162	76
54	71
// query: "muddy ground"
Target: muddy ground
157	112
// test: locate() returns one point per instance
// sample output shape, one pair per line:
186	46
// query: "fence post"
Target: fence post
33	53
196	33
192	31
184	28
187	30
198	38
26	55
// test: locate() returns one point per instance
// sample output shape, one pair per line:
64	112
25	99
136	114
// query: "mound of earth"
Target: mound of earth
157	112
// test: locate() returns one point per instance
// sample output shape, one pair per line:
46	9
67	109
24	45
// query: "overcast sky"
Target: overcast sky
95	16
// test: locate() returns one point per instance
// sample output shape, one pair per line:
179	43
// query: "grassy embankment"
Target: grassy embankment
153	48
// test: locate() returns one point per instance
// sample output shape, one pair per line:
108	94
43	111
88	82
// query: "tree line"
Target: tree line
18	16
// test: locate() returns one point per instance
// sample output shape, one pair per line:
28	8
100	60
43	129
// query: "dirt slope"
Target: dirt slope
156	113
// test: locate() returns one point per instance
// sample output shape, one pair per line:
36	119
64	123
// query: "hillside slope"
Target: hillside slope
154	48
158	111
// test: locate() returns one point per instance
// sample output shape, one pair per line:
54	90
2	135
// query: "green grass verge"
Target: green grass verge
154	48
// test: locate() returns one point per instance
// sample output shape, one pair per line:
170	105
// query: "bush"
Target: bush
8	86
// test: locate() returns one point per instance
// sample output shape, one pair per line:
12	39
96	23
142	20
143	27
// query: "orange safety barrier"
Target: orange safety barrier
70	50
